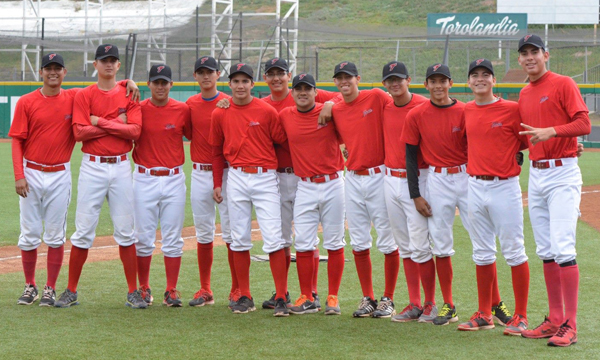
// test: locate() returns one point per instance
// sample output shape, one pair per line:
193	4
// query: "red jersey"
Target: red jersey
201	110
284	158
247	134
161	142
394	118
440	133
360	125
43	124
554	100
494	140
108	105
315	148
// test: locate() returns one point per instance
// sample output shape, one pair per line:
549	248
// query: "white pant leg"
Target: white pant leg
461	190
333	213
443	201
172	214
146	196
306	216
359	222
203	205
224	211
539	215
418	230
288	183
265	196
120	202
240	210
482	231
396	214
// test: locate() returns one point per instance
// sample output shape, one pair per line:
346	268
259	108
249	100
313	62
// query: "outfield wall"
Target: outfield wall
11	91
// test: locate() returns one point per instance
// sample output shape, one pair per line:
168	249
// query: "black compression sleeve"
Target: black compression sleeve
412	170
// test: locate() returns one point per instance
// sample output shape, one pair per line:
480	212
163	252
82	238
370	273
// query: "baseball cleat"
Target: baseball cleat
516	325
201	298
385	308
304	306
446	315
66	299
544	330
317	301
477	322
281	308
172	298
48	296
146	294
430	312
410	313
565	336
501	314
30	295
244	305
234	296
135	301
332	305
366	307
270	304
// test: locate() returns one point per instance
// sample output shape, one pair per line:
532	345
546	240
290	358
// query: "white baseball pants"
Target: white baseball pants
288	183
203	206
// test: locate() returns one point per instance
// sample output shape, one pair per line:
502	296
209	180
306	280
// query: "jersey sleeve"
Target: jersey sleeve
187	123
577	110
277	133
384	97
17	157
410	130
20	125
134	113
325	95
216	137
81	109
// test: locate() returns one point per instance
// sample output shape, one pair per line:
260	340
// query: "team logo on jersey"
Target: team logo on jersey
239	66
159	69
253	123
544	98
203	60
367	112
169	127
455	129
68	117
436	67
106	48
496	124
478	62
122	111
343	64
526	38
392	66
51	56
274	61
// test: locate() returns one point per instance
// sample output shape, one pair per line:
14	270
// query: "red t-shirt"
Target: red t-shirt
315	148
494	140
161	142
360	125
201	110
284	158
108	105
440	133
247	134
394	118
554	100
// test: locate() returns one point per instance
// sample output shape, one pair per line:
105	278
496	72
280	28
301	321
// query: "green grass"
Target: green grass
102	327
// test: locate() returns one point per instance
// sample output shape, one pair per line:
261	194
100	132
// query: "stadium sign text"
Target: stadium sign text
504	26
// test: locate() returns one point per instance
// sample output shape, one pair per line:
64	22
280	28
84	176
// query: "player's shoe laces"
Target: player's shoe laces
385	308
135	301
477	322
147	294
366	307
544	330
446	315
234	296
501	314
565	336
516	325
243	305
332	305
66	299
304	306
30	294
410	313
281	308
270	304
172	298
201	298
317	301
430	312
48	296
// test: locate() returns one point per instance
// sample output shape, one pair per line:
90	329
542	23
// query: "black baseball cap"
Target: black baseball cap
160	72
394	68
484	63
208	62
304	78
345	67
107	50
277	63
52	58
241	68
438	69
531	39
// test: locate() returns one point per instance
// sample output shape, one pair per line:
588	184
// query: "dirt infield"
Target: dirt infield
105	248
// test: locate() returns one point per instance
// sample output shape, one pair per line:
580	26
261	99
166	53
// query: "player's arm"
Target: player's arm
328	98
21	185
412	176
132	88
277	133
130	130
83	130
223	103
187	123
216	139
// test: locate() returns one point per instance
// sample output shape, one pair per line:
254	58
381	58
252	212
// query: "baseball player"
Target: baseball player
553	115
319	164
206	73
358	119
159	182
408	226
444	147
245	134
106	122
494	197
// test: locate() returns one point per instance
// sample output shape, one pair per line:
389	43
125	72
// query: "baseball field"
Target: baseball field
102	327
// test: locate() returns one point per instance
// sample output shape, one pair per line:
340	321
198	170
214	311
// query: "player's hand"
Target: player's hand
134	90
217	195
223	104
325	114
422	206
520	158
579	149
123	118
538	134
345	153
94	120
22	187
